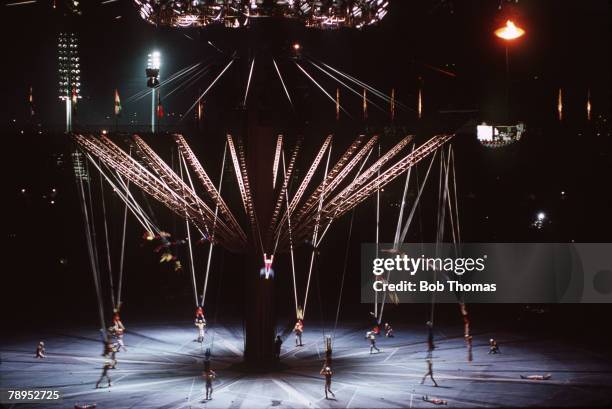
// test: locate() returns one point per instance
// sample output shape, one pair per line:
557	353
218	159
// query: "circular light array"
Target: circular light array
324	14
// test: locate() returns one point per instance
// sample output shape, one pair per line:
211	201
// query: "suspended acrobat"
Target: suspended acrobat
267	271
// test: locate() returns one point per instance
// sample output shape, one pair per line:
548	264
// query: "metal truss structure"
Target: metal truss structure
327	202
324	14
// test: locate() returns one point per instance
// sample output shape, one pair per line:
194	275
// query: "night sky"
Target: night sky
561	168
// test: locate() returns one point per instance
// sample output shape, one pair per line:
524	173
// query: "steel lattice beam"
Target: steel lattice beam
277	153
340	173
115	158
205	180
281	195
175	183
302	188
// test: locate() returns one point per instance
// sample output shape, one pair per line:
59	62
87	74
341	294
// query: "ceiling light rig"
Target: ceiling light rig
327	14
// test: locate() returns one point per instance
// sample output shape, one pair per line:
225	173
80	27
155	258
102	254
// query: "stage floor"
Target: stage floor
163	367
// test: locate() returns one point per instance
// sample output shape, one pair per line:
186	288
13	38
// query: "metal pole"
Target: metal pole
68	115
152	110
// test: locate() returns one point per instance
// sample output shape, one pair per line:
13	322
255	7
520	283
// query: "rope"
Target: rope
122	255
135	208
418	198
107	244
290	233
316	230
346	255
191	264
210	248
92	259
377	231
400	217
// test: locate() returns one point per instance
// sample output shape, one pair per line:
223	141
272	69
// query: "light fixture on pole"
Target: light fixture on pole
152	72
509	33
69	72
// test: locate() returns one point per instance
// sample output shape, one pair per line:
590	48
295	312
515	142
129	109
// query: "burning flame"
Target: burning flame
510	31
560	104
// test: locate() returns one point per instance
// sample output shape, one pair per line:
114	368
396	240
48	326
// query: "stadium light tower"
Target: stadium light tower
69	71
152	71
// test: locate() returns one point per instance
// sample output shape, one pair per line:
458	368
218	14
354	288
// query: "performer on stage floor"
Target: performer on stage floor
537	377
429	372
493	347
40	350
209	376
298	329
107	365
327	373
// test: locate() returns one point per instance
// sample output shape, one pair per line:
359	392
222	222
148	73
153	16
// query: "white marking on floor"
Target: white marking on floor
292	392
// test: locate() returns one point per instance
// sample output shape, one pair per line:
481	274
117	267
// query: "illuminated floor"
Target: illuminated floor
162	369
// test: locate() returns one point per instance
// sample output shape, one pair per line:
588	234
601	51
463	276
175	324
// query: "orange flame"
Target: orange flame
509	32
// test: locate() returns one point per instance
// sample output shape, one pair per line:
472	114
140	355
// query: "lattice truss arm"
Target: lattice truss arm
240	168
367	183
308	217
175	183
304	185
280	200
208	185
182	202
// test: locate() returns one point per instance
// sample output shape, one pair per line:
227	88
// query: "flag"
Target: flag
337	104
392	104
160	108
588	105
560	104
365	104
420	99
117	103
31	101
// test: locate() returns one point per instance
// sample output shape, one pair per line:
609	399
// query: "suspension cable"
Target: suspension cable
290	233
92	259
122	254
316	230
191	263
107	244
210	248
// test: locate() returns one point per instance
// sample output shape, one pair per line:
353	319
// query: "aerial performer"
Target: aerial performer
116	330
375	328
327	373
466	319
200	323
429	372
267	271
199	313
298	329
468	342
328	351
